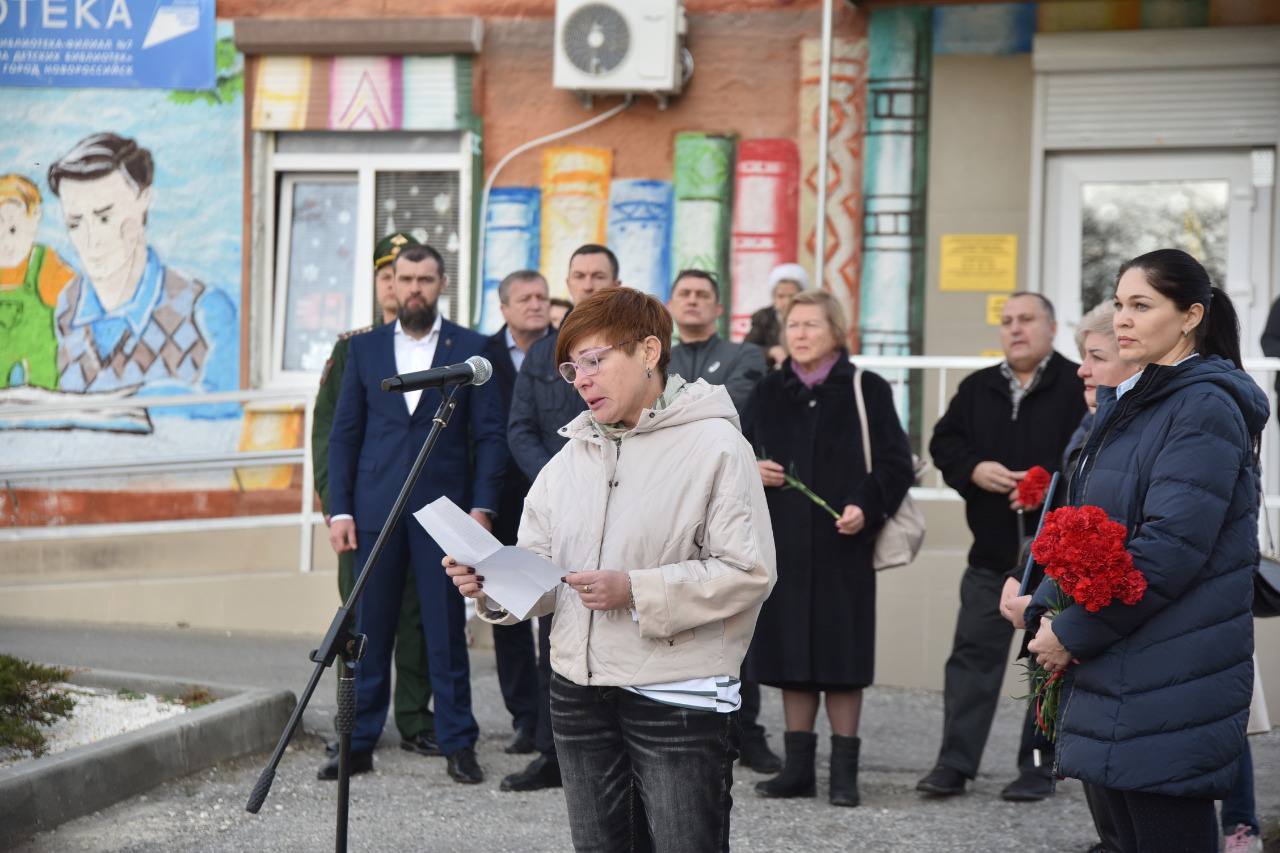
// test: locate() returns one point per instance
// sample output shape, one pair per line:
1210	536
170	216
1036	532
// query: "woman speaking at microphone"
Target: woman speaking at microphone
656	513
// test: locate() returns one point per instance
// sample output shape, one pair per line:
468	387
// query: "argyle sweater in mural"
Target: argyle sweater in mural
174	335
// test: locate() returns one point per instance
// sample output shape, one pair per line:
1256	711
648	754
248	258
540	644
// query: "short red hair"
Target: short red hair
620	315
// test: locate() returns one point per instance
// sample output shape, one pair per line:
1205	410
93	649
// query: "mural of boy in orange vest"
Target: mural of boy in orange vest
131	321
31	278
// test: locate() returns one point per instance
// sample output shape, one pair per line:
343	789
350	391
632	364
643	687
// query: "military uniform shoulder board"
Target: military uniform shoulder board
354	332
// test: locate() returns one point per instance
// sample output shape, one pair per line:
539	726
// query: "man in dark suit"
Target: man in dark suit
374	441
525	301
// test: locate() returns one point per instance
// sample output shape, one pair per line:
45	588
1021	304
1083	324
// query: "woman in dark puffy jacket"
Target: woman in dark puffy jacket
1157	694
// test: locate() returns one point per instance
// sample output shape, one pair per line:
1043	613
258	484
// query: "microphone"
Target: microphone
473	371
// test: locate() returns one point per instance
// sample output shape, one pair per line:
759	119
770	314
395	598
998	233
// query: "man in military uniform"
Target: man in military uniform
412	686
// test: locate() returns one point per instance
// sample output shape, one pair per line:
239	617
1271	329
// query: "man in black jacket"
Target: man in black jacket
541	403
524	299
1002	421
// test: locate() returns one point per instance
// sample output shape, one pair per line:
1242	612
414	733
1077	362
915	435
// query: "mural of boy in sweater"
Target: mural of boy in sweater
129	320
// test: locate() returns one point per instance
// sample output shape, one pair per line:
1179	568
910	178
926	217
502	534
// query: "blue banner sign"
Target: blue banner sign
146	44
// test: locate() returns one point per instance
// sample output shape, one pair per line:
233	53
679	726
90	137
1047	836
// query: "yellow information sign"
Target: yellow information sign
995	307
973	262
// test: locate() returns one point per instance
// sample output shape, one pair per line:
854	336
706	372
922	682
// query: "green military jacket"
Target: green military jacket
326	406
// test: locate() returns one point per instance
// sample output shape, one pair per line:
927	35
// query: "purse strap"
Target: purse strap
862	415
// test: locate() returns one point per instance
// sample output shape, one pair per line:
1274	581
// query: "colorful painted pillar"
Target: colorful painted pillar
512	240
840	271
575	201
766	192
703	203
640	234
894	178
891	315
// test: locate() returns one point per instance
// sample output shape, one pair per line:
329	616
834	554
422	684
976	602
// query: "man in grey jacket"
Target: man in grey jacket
702	354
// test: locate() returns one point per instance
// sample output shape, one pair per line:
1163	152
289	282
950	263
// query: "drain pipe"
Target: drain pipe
824	113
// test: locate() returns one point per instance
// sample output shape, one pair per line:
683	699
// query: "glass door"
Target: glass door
1103	208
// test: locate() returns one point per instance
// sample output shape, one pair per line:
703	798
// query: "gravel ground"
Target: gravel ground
409	803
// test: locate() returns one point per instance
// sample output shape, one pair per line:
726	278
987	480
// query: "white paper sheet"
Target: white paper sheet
514	578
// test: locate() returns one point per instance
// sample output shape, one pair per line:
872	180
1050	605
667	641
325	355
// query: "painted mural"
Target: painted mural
640	233
766	189
575	206
120	265
362	93
841	267
513	234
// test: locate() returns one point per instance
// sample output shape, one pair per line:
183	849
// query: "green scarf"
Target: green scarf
674	386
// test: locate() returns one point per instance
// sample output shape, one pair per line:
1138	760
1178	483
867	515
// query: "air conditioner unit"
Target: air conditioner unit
620	46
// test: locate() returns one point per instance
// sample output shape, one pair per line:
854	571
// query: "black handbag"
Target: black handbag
1266	577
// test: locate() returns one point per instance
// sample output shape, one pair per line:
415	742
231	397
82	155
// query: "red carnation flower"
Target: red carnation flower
1084	551
1032	486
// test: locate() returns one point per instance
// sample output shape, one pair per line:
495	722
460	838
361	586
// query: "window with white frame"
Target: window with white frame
334	195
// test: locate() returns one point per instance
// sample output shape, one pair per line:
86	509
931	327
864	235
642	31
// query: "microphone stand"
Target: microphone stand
341	641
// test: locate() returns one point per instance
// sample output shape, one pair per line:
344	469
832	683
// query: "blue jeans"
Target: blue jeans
640	775
1238	805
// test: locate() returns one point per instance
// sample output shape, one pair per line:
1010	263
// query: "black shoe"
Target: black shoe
521	744
361	762
422	743
1031	786
756	754
844	770
464	768
542	772
942	781
797	777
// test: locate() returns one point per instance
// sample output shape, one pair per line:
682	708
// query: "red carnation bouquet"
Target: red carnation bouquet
1083	550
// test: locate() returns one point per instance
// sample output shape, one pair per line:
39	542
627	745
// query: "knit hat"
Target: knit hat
789	272
389	246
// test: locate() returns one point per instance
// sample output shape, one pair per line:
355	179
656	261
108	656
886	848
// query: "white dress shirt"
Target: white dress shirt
411	355
517	354
415	354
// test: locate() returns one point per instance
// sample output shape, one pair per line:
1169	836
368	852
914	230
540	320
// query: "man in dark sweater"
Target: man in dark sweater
695	307
1002	421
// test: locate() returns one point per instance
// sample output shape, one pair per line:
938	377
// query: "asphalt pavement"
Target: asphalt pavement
409	803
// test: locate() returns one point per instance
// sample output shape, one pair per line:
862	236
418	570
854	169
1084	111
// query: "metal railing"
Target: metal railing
940	375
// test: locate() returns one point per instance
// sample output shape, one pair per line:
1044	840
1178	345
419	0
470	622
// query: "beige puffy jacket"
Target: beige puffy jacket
679	506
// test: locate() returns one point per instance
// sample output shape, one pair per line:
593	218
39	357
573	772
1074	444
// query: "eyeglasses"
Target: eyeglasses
588	364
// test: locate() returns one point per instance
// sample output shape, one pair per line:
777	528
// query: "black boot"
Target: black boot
796	778
844	770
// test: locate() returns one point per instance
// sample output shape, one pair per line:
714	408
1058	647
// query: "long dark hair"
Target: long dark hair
1181	278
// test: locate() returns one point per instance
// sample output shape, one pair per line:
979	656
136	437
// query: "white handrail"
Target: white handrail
99	402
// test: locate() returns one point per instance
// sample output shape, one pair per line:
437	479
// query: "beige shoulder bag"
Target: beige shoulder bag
903	533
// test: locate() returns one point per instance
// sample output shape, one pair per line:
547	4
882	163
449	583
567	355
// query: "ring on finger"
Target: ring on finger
587	588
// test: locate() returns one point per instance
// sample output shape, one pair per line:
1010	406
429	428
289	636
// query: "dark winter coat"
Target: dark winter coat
817	629
978	426
515	485
541	403
1160	696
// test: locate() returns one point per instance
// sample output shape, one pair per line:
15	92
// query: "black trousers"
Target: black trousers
974	673
1158	823
542	736
517	673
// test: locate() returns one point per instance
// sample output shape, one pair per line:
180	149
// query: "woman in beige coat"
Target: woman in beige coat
656	513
